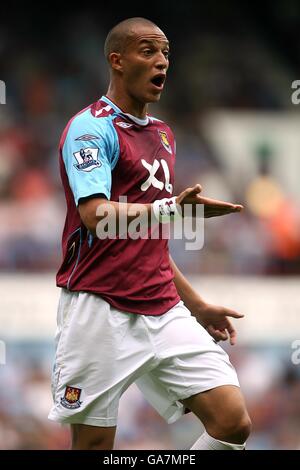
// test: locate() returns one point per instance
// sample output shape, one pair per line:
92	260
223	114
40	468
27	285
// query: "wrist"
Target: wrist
196	306
166	210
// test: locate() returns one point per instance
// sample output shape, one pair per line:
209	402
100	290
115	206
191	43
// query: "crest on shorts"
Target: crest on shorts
165	141
87	159
71	398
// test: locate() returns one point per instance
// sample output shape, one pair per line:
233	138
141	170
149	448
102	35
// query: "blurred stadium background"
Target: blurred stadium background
228	98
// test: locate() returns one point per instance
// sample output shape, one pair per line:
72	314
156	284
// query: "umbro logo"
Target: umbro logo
87	137
125	125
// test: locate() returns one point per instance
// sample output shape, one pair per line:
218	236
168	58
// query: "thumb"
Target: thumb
195	190
188	192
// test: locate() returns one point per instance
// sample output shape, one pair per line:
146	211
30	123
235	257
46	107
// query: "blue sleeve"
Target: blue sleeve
90	153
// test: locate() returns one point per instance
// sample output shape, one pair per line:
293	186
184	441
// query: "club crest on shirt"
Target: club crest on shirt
165	141
87	159
71	398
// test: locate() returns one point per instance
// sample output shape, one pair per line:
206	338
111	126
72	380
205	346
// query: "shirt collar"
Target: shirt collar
136	120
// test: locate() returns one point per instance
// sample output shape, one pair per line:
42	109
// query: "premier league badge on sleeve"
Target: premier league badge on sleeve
87	159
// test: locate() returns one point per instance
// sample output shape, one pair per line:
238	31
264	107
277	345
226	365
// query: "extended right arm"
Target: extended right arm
94	210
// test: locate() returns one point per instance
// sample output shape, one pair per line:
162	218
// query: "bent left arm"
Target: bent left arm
212	317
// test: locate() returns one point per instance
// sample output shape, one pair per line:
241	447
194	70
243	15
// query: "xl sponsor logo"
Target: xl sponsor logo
152	180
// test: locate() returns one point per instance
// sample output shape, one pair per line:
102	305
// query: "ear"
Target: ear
115	60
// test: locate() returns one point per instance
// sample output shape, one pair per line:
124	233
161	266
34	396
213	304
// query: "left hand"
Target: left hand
215	320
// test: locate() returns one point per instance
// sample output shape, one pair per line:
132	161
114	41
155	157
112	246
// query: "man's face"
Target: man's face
145	63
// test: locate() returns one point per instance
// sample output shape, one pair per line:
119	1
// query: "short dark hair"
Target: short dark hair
118	37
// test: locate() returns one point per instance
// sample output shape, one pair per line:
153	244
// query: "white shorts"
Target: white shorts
101	351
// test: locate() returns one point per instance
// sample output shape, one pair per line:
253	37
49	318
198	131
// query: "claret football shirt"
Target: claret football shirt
105	152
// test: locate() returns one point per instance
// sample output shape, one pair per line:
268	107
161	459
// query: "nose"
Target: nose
162	62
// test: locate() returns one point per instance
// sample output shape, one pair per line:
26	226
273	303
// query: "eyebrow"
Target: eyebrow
151	41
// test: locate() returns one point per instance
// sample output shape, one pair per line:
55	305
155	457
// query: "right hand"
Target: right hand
212	207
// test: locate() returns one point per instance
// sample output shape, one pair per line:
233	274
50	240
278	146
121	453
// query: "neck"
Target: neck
126	103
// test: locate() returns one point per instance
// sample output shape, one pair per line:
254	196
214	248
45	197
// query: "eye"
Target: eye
147	52
166	54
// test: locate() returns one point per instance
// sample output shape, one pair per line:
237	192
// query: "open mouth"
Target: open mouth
158	80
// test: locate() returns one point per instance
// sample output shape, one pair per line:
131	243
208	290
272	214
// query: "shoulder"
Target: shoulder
91	123
97	116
